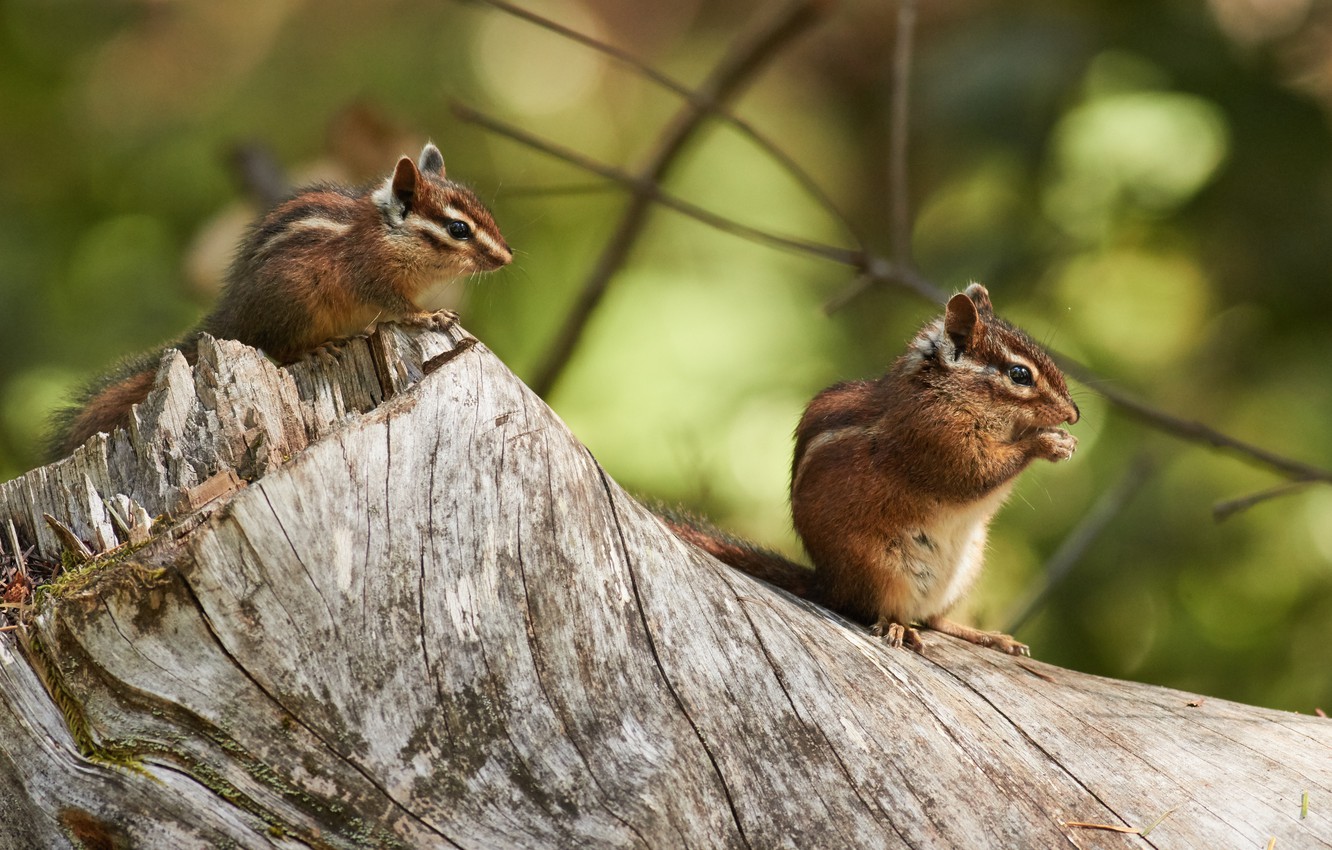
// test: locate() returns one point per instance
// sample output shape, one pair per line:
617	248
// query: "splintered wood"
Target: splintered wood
235	415
429	619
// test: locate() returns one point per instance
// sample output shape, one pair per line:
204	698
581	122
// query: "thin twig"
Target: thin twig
1225	510
872	269
1080	539
599	188
1108	827
654	191
784	160
879	270
875	269
1146	830
752	51
901	270
18	550
615	53
1190	430
898	193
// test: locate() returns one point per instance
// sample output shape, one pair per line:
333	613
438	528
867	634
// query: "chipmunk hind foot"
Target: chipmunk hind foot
897	635
994	640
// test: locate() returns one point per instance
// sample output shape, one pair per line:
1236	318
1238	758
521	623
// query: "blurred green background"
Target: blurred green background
1145	185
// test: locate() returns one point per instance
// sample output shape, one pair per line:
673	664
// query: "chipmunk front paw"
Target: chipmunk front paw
438	320
1056	444
327	353
896	635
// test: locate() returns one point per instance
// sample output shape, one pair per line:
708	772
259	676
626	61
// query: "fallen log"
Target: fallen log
386	599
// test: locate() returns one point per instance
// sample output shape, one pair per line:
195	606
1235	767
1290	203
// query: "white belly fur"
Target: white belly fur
945	568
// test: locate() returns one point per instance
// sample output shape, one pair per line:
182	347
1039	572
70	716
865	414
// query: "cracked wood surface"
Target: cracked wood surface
432	620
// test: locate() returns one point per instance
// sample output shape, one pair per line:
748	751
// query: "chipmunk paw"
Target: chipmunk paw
897	635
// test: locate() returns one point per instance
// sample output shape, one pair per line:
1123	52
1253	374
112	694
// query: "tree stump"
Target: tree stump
390	601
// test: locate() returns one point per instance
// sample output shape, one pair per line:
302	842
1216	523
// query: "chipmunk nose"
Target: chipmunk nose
1075	415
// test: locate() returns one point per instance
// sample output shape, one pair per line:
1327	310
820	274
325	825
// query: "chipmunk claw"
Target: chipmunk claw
438	320
327	354
1009	646
1006	644
898	635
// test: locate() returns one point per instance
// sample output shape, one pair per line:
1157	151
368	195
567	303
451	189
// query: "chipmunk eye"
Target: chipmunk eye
459	230
1020	375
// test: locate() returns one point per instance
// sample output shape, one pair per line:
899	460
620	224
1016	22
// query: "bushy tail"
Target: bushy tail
741	554
104	403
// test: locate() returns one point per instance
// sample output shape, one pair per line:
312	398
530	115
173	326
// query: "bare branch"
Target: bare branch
655	193
1080	539
767	35
1225	510
641	67
898	192
1195	432
564	190
901	271
784	160
880	270
874	269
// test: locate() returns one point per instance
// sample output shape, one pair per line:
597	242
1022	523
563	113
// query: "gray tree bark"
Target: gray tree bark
390	601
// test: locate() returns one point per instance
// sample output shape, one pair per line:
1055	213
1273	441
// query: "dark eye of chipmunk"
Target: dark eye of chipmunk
459	230
1020	375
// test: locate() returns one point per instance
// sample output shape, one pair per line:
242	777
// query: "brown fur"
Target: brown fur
894	480
324	265
769	566
106	409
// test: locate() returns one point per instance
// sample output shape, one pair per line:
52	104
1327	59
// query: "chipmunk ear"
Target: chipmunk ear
405	178
432	161
980	296
962	321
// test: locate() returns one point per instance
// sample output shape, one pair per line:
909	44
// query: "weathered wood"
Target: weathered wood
235	412
431	620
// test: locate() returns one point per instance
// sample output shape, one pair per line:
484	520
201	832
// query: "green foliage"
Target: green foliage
1144	185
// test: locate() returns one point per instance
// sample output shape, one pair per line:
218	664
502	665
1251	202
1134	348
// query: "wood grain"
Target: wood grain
432	620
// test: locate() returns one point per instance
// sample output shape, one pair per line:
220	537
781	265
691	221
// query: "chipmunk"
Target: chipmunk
324	265
895	480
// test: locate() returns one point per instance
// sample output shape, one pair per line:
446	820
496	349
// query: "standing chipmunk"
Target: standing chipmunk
895	480
323	265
